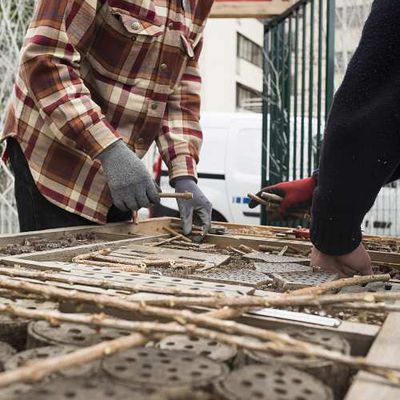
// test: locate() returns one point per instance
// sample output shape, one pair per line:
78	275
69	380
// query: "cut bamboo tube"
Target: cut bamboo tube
180	196
271	197
259	200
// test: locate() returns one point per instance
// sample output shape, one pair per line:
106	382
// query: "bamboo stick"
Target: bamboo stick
259	200
172	232
101	283
120	267
186	318
214	301
36	371
180	196
173	238
271	197
245	248
235	250
86	256
341	283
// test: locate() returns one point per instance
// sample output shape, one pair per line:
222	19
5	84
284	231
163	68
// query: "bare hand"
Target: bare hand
357	262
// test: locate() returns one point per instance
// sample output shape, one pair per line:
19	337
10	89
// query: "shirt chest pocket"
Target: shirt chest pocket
128	35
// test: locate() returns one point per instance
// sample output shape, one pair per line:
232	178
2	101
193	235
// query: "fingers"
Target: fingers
204	215
187	219
269	189
152	192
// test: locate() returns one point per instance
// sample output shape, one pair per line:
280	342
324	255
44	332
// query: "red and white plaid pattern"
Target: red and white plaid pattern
93	71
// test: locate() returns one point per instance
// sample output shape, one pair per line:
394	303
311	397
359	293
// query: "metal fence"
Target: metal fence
299	49
306	54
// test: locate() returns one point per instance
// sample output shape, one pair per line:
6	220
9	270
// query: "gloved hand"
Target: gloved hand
196	211
131	186
297	195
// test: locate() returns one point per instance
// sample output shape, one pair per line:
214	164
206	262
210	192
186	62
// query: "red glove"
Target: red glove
297	195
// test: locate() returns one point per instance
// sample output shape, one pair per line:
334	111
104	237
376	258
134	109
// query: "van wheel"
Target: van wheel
217	216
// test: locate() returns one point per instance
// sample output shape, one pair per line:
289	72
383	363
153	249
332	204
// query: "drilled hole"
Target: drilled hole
280	391
247	383
120	368
78	338
74	330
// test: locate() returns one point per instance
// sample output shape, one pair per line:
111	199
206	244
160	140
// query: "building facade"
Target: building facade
231	65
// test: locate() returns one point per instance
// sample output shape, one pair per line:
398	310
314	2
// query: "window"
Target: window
248	99
249	51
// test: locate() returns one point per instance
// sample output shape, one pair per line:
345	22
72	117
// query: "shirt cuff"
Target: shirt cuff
182	165
336	235
97	138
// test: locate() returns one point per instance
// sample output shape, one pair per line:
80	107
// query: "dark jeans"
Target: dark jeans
35	211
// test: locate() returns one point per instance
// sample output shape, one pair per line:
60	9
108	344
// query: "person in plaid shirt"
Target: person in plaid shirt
99	81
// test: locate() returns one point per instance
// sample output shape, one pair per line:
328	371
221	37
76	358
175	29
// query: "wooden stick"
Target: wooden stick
36	371
121	267
181	196
271	197
237	251
184	317
245	248
171	239
259	200
341	283
213	302
86	256
172	232
280	343
101	283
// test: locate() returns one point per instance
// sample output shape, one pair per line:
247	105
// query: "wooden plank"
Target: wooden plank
385	350
249	8
68	254
360	336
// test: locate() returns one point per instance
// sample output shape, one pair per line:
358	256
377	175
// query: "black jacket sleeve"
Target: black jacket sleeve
361	150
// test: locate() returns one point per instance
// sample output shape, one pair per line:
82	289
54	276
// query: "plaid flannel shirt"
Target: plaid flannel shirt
95	71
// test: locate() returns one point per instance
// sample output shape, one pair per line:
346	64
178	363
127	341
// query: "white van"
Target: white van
229	168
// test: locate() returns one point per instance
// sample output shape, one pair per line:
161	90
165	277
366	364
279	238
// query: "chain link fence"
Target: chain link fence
14	19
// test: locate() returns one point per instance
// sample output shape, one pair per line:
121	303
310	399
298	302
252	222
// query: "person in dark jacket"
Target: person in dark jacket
361	151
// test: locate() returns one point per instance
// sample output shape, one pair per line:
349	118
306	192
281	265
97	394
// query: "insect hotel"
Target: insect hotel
130	311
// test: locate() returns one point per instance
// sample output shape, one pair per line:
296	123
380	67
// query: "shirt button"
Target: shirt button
140	140
170	25
154	106
135	25
163	67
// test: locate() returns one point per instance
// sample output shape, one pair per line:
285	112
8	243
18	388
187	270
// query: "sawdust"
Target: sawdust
36	244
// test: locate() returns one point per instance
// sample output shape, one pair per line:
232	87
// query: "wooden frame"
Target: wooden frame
377	343
249	8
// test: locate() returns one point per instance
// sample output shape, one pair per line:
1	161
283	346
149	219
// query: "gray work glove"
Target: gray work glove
196	211
130	183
